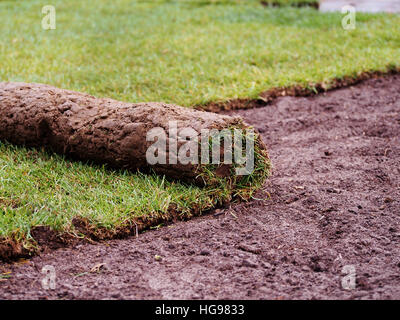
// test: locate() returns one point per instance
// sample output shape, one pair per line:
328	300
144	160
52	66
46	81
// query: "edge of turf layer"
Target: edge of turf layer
221	192
44	238
300	90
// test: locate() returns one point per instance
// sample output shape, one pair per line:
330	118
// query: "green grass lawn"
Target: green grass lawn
37	188
187	53
183	52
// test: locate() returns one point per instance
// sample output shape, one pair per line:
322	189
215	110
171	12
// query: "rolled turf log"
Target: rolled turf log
107	131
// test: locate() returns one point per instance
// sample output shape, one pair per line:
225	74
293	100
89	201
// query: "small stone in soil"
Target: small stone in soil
204	252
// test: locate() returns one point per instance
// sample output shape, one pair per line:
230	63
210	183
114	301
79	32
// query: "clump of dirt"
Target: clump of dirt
47	239
331	205
43	239
11	248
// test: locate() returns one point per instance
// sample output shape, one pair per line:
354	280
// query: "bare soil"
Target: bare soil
334	201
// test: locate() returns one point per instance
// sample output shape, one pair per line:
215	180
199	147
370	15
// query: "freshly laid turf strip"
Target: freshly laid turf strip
61	199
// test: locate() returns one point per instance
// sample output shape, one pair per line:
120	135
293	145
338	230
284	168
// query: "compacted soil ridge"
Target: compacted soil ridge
332	201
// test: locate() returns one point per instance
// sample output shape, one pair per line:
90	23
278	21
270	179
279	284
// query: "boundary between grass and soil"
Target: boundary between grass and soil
267	97
45	238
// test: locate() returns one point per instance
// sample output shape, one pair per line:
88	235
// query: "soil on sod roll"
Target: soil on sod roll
111	132
334	202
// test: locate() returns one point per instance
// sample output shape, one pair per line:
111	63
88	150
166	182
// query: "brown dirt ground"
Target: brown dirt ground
335	201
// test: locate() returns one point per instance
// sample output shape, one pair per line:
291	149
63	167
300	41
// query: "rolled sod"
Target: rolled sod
115	133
